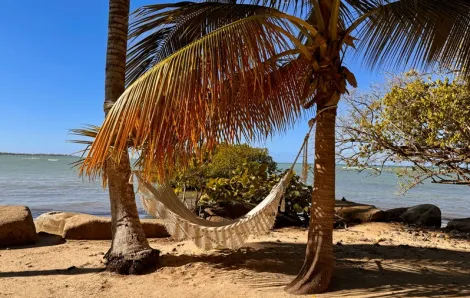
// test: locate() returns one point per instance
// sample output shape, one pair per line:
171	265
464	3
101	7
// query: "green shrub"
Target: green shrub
240	173
228	158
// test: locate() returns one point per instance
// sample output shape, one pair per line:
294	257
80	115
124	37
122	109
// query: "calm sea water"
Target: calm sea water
50	183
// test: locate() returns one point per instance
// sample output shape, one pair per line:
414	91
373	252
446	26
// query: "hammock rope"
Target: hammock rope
182	224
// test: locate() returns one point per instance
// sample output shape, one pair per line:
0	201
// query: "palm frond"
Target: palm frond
415	33
297	7
89	132
221	88
157	31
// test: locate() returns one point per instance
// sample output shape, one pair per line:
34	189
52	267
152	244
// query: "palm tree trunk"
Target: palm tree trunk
130	252
316	272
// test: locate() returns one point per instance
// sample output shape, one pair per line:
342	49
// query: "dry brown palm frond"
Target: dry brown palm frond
221	88
90	132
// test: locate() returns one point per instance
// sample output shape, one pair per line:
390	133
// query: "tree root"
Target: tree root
134	263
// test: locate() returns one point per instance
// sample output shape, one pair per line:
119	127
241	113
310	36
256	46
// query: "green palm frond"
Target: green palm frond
415	33
296	7
309	9
221	88
157	31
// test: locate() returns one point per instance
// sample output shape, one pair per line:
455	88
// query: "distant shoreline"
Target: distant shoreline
34	154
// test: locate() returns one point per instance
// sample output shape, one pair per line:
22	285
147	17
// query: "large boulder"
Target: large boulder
288	220
461	224
226	212
351	212
16	226
154	228
53	222
89	227
425	215
394	215
229	210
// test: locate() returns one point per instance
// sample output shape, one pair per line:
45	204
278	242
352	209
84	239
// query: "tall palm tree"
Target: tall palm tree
202	73
130	251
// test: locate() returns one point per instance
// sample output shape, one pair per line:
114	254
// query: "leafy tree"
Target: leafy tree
211	72
414	118
238	173
228	157
221	164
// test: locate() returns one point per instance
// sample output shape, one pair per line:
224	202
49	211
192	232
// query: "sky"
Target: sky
52	62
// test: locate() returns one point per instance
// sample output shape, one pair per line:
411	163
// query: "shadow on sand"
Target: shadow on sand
69	271
362	270
44	239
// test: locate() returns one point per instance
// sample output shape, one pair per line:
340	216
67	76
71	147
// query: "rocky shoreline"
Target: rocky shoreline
18	228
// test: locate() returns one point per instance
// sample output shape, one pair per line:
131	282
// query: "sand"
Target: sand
404	263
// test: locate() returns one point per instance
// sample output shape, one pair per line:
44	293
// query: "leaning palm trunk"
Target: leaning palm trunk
130	252
316	272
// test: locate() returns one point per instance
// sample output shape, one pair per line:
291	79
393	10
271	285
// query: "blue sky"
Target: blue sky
52	58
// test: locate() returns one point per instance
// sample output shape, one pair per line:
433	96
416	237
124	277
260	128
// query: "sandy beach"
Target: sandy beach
372	260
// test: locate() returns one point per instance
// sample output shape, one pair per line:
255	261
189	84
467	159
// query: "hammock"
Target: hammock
182	224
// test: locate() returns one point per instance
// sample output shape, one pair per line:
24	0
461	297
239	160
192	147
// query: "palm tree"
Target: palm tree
202	73
130	251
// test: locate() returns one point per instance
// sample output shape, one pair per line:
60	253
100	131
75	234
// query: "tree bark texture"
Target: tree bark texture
130	252
317	270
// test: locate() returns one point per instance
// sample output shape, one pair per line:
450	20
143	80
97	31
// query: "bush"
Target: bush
229	158
240	174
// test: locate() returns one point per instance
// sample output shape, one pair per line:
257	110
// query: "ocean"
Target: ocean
47	183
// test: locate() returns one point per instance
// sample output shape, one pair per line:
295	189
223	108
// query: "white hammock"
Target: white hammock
182	224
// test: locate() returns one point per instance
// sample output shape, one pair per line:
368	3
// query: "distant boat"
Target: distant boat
352	168
32	157
359	168
52	159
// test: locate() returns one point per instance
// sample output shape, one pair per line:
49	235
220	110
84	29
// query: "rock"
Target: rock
154	228
16	226
287	220
230	210
53	222
215	218
352	212
89	227
425	215
461	224
394	215
209	211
